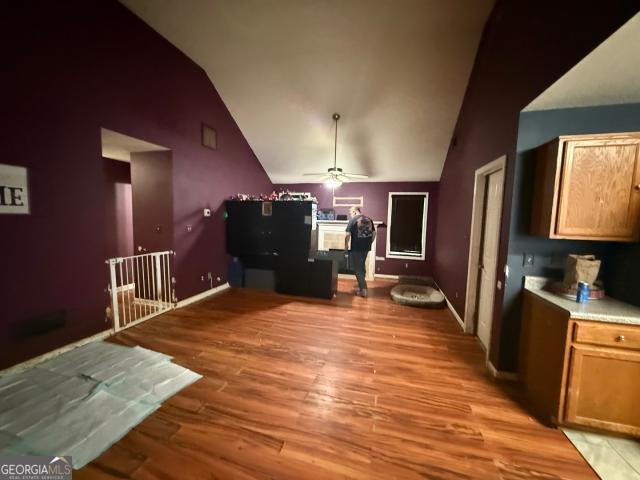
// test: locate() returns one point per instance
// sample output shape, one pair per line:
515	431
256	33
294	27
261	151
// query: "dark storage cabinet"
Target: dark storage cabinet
307	277
280	241
286	231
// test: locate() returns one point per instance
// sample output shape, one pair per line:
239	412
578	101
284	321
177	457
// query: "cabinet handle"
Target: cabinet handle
637	187
620	338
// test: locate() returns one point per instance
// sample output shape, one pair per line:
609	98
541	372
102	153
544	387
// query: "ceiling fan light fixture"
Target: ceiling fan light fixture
333	183
335	176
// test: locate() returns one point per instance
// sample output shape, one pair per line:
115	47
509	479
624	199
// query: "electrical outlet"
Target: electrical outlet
528	260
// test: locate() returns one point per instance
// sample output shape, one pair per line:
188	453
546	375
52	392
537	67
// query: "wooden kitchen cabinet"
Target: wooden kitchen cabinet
603	389
588	187
577	372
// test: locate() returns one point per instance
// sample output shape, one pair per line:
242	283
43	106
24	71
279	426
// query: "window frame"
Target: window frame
425	209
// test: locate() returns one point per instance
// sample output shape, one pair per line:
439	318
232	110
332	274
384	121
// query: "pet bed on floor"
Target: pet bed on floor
418	296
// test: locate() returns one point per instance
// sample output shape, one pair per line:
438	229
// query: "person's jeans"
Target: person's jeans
357	261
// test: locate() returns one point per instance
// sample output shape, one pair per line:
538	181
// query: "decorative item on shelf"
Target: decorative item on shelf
285	195
243	197
273	196
334	177
326	214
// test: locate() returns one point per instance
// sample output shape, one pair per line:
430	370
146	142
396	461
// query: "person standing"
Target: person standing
360	234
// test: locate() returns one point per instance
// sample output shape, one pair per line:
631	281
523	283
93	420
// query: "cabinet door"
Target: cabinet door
603	389
600	189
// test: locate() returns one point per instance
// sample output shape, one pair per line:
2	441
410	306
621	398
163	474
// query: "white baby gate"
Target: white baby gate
140	287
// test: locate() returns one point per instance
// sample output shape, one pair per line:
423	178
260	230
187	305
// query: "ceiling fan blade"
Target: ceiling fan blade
343	178
355	175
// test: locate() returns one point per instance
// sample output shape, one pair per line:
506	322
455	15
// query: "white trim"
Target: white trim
385	275
453	310
347	276
202	295
499	374
122	288
425	209
476	236
54	353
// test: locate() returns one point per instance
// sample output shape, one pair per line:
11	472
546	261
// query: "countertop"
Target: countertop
606	309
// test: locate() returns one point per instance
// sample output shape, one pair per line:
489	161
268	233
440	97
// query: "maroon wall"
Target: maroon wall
525	47
70	68
376	196
118	207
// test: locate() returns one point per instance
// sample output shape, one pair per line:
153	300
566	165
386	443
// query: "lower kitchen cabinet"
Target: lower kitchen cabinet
579	372
603	389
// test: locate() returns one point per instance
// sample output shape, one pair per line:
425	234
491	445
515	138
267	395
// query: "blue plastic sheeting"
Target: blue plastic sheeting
85	400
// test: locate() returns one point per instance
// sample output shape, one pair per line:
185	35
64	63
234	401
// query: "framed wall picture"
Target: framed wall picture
14	190
348	201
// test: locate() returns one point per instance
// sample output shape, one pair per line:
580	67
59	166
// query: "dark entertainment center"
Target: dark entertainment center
274	246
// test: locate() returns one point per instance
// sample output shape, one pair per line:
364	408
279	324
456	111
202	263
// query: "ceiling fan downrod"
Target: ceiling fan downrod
336	117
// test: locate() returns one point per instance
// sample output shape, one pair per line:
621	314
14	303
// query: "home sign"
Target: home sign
14	190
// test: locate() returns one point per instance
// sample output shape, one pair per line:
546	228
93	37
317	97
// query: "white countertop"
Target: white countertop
606	309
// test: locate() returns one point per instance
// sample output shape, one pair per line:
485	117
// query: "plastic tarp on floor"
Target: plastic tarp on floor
83	401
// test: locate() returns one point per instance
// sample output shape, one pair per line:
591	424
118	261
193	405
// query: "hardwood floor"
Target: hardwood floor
357	388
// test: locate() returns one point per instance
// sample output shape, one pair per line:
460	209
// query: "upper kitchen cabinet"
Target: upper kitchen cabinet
587	187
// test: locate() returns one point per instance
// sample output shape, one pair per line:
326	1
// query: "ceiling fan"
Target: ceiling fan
334	177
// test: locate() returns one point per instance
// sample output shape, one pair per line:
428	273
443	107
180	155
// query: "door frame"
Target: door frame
477	217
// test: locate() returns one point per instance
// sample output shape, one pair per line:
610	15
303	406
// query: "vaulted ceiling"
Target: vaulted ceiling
396	71
609	75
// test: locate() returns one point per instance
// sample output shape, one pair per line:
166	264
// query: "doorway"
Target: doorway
139	228
482	275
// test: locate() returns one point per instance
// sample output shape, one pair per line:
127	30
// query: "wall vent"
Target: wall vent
39	324
209	137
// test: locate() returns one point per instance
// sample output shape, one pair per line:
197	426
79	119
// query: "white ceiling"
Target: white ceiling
396	70
609	75
118	146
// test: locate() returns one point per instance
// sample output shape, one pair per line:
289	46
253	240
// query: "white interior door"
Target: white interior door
489	255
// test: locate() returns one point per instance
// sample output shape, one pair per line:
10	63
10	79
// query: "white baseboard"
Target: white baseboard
385	275
451	309
54	353
202	295
377	275
500	375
